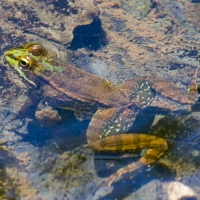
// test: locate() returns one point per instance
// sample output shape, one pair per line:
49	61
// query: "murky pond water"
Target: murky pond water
44	148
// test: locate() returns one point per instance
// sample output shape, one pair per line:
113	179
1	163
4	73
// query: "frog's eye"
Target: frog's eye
24	63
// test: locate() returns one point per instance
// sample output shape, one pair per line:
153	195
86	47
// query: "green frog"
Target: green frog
113	109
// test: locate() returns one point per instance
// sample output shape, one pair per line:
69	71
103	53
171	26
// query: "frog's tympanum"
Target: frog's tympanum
114	108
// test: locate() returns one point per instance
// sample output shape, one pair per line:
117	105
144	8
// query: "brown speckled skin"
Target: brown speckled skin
74	81
114	108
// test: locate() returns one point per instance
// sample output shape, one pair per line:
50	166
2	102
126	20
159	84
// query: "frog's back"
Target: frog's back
83	86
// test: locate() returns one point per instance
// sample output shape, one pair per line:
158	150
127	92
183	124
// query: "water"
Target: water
117	40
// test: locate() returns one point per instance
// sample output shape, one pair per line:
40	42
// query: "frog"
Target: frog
114	108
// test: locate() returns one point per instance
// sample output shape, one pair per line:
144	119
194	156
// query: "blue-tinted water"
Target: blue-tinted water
117	40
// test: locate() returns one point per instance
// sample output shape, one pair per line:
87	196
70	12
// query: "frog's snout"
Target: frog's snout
7	56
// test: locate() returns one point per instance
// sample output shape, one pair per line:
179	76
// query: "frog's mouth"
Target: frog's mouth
13	61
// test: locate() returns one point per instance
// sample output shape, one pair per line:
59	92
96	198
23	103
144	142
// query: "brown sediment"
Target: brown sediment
161	42
24	158
192	12
21	184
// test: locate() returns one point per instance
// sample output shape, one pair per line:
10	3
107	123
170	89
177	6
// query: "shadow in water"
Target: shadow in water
67	134
90	36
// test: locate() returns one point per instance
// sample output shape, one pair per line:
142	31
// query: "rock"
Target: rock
178	191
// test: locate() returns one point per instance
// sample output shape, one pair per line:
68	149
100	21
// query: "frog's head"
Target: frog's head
26	57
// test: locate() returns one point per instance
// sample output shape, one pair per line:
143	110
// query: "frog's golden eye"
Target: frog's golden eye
25	63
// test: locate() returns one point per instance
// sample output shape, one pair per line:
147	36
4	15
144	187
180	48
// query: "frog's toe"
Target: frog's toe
104	188
106	184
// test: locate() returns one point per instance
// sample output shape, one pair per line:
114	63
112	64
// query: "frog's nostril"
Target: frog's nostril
11	56
8	55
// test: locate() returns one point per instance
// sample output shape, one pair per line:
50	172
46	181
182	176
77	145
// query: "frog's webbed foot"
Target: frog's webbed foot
137	166
107	186
106	132
104	184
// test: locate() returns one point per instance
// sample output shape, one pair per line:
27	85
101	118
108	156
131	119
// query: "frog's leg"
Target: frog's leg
139	90
171	91
107	132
